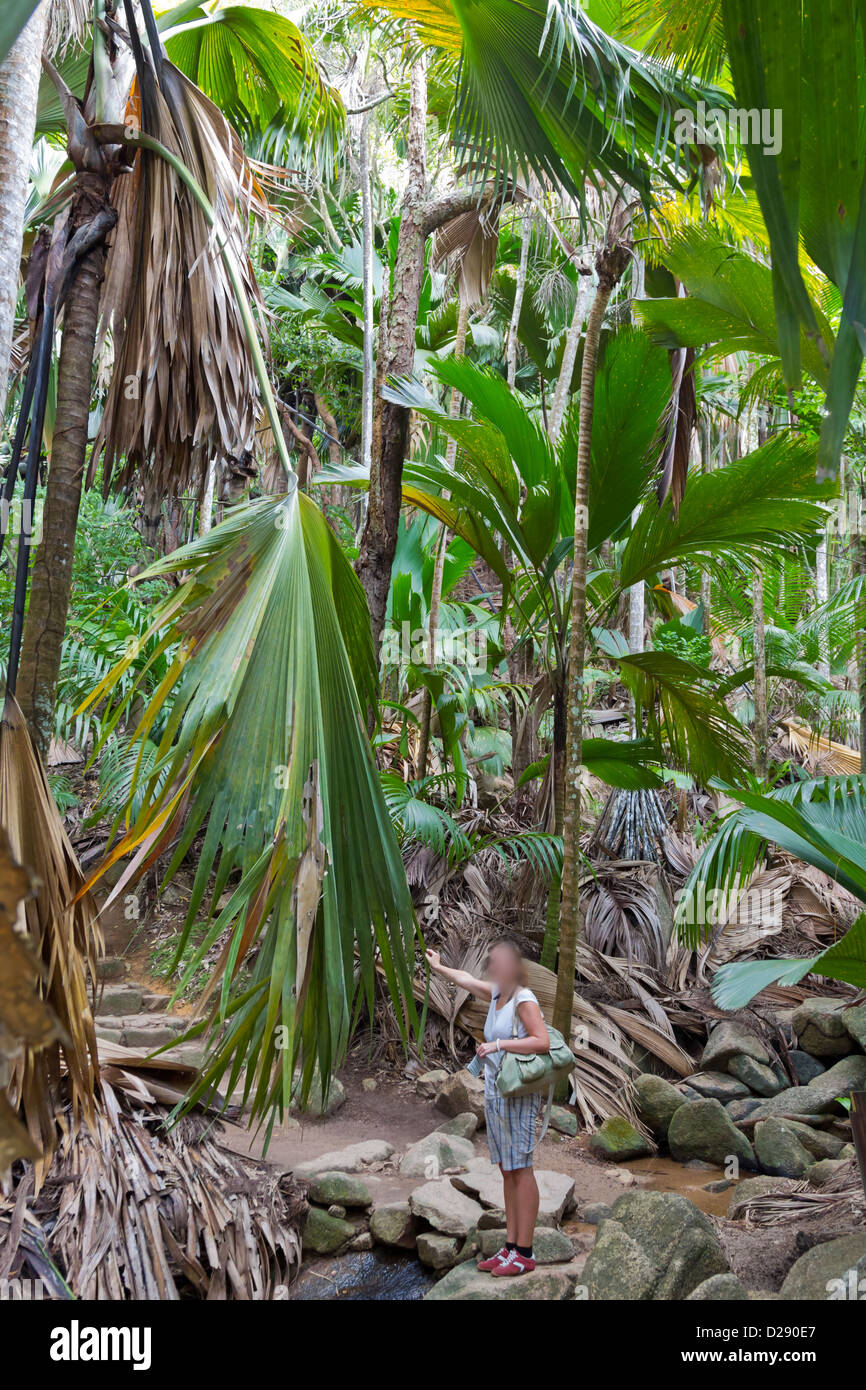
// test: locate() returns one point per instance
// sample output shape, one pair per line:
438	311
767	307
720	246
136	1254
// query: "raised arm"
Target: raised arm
461	978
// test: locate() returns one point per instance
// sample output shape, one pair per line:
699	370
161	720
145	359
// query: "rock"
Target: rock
779	1151
717	1085
822	1092
154	1003
618	1140
848	1151
728	1039
446	1209
430	1157
759	1078
317	1102
749	1188
461	1092
464	1126
817	1142
493	1219
112	1035
324	1233
465	1283
344	1188
687	1091
831	1271
595	1212
336	1210
150	1031
438	1251
362	1242
717	1288
854	1021
353	1159
655	1245
825	1169
550	1247
429	1083
555	1191
742	1109
119	1000
657	1102
111	968
368	1083
721	1185
806	1067
820	1027
703	1129
394	1225
563	1120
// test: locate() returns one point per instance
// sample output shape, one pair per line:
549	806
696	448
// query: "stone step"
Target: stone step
141	1030
111	968
119	1000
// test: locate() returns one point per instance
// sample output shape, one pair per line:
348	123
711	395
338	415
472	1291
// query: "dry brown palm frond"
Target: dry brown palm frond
620	908
799	1203
135	1211
469	244
63	935
820	754
183	388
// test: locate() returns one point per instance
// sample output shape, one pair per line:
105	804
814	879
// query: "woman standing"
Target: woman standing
510	1123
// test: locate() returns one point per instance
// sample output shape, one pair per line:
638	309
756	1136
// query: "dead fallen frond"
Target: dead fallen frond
61	944
131	1211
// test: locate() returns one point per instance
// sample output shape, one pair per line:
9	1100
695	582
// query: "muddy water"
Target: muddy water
373	1274
661	1174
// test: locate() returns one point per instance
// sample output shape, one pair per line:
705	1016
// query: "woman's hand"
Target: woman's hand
433	960
484	1049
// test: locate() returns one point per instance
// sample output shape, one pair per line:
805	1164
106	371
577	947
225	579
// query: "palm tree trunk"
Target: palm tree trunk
368	378
760	683
822	593
610	265
454	405
566	370
519	292
19	89
51	576
860	550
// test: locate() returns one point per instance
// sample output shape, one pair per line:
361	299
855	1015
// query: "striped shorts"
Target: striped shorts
511	1129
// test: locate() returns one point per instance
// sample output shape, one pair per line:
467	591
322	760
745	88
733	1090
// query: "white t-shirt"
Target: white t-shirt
500	1024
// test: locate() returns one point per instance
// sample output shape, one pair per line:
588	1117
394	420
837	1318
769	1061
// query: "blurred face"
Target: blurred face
503	969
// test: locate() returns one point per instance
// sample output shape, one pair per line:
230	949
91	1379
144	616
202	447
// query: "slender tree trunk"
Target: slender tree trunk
19	89
859	493
51	575
636	619
391	422
441	548
205	520
368	380
519	292
822	593
610	265
566	370
760	682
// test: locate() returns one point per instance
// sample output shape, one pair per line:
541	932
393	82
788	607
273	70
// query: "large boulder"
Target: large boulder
342	1188
729	1038
703	1129
657	1102
353	1159
759	1078
467	1284
394	1224
718	1085
779	1151
656	1245
833	1271
429	1083
461	1092
750	1188
820	1027
555	1191
821	1095
818	1143
444	1208
718	1288
826	1168
617	1140
563	1120
433	1154
855	1021
806	1067
438	1251
319	1101
324	1233
464	1126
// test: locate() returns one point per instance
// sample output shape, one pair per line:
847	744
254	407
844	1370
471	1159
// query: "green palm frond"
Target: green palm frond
688	33
265	753
15	15
736	984
744	511
684	709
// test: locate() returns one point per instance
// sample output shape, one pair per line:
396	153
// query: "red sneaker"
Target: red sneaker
515	1263
489	1265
